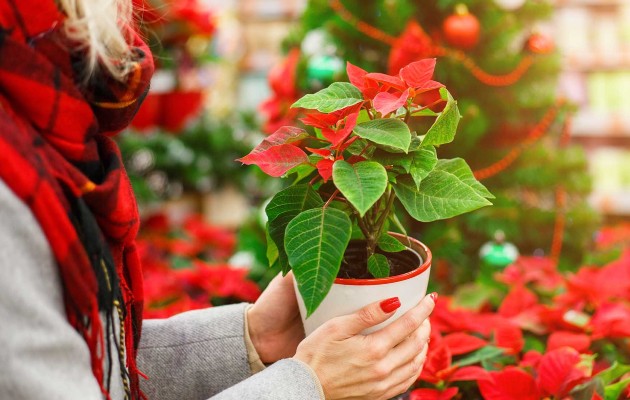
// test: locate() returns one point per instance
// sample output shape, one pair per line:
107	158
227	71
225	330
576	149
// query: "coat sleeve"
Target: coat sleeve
203	354
41	354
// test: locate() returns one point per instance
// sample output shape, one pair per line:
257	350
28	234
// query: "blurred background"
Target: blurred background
534	291
543	88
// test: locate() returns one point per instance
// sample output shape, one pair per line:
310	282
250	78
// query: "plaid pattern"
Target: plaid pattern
58	158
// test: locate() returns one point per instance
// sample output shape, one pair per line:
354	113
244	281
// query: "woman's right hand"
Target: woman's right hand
379	365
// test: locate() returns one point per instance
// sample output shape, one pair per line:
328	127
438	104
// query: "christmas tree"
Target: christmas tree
514	128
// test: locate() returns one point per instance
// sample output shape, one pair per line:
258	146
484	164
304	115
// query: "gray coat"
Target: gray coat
195	355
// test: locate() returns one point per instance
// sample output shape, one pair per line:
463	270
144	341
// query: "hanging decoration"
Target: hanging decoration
539	43
432	49
462	29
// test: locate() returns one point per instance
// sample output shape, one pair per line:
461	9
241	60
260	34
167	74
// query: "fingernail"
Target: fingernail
390	305
434	297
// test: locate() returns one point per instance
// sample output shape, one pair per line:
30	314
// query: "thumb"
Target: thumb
368	316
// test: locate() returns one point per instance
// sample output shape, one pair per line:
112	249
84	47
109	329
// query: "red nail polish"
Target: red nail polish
434	297
390	305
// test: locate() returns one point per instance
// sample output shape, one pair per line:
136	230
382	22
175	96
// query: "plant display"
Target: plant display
542	335
372	143
185	268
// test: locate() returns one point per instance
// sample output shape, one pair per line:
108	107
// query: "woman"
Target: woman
72	73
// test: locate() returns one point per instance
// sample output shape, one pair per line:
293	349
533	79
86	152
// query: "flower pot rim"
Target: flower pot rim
397	278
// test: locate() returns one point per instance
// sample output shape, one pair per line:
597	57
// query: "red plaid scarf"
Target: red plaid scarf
58	159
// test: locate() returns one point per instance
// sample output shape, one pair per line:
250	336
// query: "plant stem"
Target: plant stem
331	198
407	115
396	222
362	226
315	178
377	229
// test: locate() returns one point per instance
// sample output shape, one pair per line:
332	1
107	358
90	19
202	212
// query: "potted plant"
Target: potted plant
373	144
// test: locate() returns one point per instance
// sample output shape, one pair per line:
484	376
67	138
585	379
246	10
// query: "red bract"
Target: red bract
195	14
437	366
282	80
275	155
538	270
433	394
412	45
521	306
510	338
462	343
560	371
578	341
509	384
611	320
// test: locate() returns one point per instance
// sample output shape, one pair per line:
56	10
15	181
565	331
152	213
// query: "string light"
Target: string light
536	133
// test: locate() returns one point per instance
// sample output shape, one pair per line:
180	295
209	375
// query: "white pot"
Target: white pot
349	295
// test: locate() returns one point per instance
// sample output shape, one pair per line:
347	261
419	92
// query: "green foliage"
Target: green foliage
335	97
390	133
316	241
450	189
362	183
378	265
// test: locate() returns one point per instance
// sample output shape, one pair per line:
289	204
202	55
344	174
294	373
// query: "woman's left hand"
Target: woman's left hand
275	326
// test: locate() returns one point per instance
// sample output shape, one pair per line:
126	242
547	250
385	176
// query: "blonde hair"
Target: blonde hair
102	28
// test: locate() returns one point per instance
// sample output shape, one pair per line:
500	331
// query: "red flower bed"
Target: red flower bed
549	336
185	267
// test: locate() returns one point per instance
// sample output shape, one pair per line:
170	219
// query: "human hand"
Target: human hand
380	365
274	322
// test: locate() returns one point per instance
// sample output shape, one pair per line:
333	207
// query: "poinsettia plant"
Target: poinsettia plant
360	155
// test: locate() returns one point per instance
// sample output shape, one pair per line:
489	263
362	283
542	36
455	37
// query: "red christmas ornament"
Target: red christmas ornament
540	44
462	29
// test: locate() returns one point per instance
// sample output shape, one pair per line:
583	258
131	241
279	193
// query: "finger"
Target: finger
368	316
408	349
398	330
408	374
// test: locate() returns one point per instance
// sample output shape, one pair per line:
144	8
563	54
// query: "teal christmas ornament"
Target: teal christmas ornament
321	70
498	253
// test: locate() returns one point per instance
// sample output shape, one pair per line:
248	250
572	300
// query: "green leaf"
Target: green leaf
335	97
423	162
316	242
449	190
485	353
390	244
613	373
445	125
272	249
362	183
301	171
612	392
396	159
391	133
378	266
285	206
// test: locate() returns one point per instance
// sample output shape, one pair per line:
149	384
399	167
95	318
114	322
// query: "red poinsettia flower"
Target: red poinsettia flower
335	126
560	371
510	384
282	80
510	338
439	368
389	92
412	45
521	306
540	271
195	14
611	320
594	286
